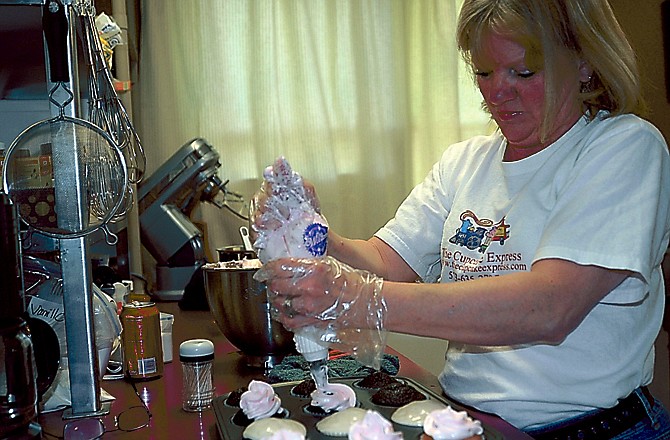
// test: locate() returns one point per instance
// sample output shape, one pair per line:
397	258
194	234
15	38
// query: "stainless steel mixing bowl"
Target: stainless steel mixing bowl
240	307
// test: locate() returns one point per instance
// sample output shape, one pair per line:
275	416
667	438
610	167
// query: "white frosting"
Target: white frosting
334	397
338	424
275	429
285	434
259	401
448	424
373	427
292	227
414	413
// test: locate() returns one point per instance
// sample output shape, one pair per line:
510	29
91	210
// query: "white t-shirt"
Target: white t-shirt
600	195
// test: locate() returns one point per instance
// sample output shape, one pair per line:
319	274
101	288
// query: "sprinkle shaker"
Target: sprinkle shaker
196	356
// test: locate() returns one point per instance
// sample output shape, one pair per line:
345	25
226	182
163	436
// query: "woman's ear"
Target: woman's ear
585	72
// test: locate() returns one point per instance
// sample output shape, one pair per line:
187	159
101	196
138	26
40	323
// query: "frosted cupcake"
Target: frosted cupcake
373	427
448	424
260	401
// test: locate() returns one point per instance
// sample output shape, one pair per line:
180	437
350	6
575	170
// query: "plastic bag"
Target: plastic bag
44	301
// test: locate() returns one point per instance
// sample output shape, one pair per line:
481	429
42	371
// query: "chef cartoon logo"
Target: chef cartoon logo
476	233
315	238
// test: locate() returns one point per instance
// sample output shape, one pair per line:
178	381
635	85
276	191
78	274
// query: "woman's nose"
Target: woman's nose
501	90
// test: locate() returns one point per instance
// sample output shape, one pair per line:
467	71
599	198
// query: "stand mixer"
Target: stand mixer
166	200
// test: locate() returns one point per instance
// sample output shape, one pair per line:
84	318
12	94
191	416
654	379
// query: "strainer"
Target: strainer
90	166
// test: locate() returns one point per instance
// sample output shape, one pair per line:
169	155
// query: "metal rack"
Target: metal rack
75	264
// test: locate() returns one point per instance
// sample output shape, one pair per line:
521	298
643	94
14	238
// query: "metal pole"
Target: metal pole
76	268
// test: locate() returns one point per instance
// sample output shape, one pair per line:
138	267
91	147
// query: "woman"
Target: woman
539	247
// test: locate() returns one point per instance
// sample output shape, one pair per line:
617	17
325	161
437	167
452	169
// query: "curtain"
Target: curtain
360	96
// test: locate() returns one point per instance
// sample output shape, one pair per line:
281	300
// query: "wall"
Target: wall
641	20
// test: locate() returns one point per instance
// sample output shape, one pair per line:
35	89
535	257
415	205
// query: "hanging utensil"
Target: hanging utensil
105	107
91	190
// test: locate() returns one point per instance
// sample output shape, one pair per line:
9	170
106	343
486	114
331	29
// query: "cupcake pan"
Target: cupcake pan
229	430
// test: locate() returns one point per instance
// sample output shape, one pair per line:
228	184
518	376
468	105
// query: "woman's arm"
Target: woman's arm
543	305
372	255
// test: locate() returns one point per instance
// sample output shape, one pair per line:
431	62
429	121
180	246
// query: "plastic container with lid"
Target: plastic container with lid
197	356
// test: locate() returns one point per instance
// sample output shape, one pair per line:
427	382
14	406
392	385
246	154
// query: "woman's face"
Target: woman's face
515	96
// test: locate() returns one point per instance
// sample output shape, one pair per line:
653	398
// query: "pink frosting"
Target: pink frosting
334	397
373	427
259	401
448	424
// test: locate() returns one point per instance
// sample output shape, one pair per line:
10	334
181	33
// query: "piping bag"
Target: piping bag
297	231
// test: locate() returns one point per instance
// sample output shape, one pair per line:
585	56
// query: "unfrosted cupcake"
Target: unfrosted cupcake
414	413
376	380
304	388
338	424
275	429
396	394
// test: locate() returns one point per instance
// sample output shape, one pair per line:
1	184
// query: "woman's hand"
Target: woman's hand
323	292
263	217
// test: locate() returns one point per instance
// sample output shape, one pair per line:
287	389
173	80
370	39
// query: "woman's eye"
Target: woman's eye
482	74
525	74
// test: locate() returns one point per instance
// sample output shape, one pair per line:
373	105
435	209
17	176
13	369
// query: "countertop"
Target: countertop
163	395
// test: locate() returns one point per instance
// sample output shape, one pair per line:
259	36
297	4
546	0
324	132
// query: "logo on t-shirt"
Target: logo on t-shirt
476	233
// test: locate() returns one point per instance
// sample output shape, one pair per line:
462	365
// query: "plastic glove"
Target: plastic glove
285	216
346	303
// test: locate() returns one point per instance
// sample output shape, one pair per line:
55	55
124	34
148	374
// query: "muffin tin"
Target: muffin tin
296	406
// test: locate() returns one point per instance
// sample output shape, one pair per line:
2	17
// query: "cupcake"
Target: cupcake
376	380
334	397
304	388
275	429
396	394
448	424
414	413
233	398
338	424
260	401
373	427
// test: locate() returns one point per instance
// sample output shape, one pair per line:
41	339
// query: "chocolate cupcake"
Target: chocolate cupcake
233	398
315	411
304	388
376	380
396	394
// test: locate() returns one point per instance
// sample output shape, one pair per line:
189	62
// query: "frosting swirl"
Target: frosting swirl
259	401
334	397
448	424
373	427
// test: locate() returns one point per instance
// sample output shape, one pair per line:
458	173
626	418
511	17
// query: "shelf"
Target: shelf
22	2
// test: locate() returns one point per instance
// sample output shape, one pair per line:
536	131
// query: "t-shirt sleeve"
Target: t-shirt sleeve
415	232
612	210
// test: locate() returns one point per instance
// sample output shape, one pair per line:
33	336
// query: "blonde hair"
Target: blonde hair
557	34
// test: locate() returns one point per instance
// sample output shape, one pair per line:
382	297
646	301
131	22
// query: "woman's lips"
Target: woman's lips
507	115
